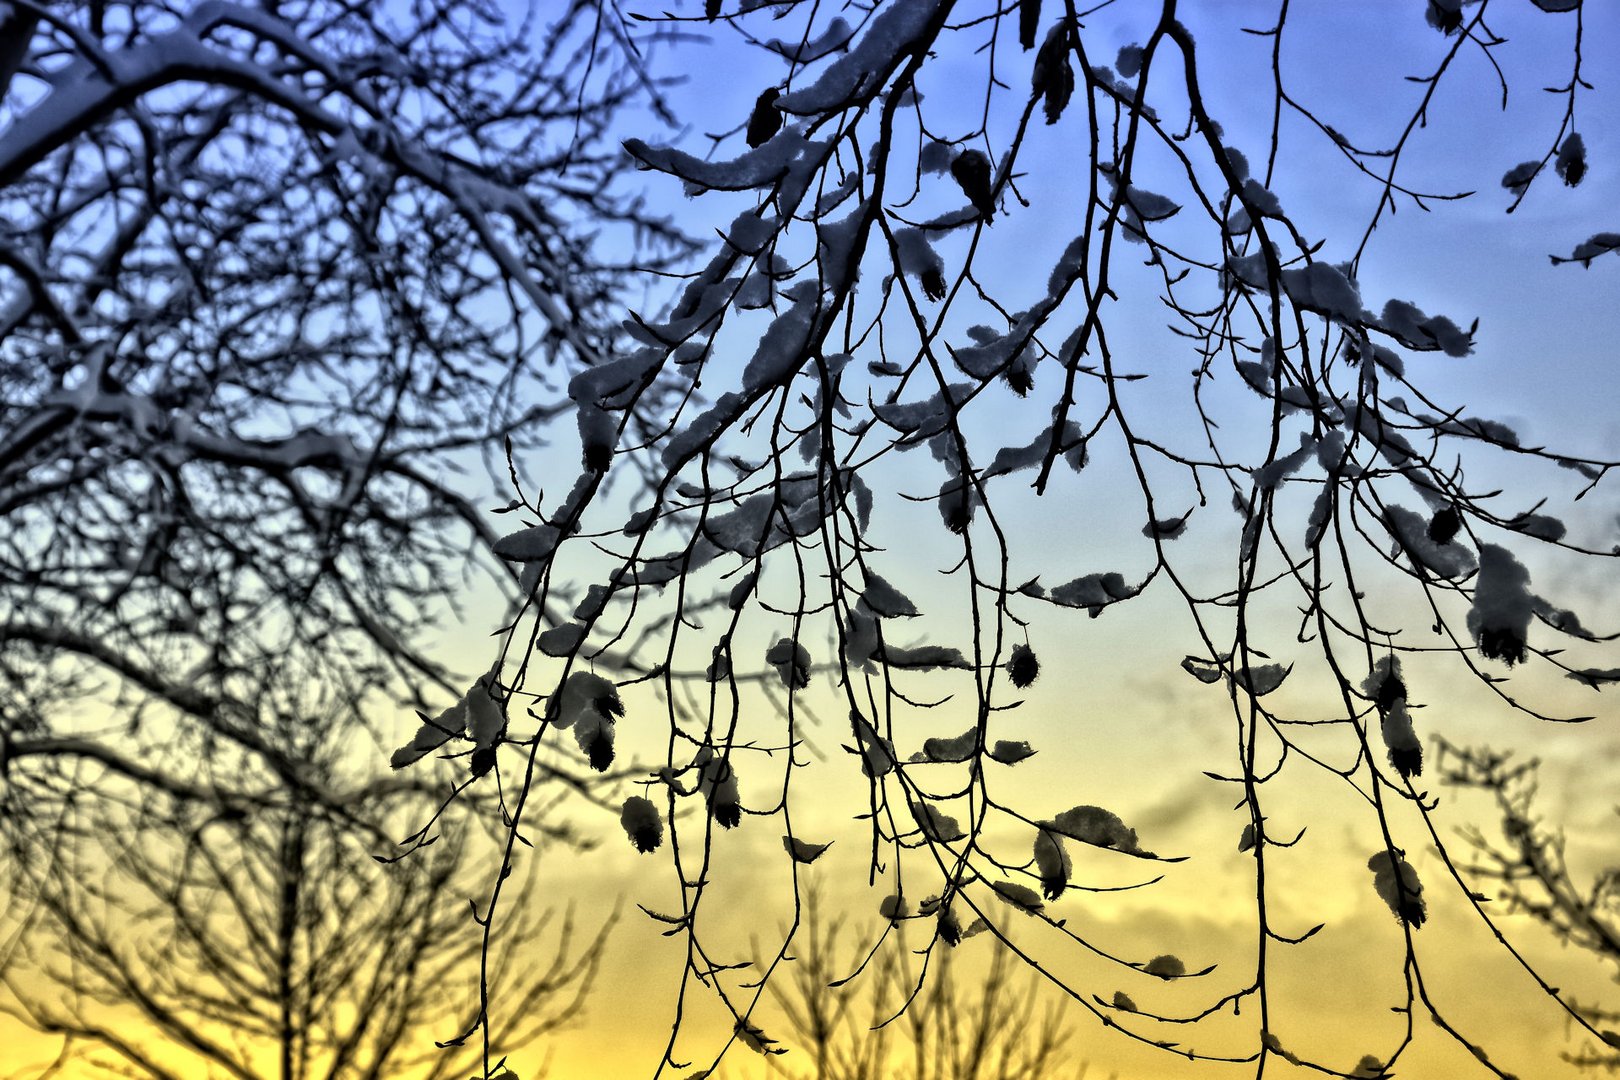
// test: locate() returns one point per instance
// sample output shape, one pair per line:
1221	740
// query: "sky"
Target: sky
1116	720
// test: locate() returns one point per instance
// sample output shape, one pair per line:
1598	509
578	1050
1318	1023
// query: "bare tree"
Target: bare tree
274	277
937	211
252	934
280	286
1524	867
899	1020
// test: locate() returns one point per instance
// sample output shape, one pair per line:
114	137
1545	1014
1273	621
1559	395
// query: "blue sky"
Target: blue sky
1117	721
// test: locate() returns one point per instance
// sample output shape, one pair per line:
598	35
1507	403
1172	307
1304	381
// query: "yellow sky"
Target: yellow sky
1119	724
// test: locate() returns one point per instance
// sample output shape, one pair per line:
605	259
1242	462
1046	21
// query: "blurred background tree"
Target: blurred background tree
1522	863
243	928
901	1021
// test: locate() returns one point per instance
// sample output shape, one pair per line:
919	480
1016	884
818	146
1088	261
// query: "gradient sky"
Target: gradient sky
1117	722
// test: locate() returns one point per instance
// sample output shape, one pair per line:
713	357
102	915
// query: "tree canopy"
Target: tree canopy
279	283
916	350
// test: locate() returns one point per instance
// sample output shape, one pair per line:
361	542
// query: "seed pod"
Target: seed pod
766	119
972	171
1023	667
1018	377
956	504
1397	885
1052	861
717	780
792	663
1029	19
1405	751
1391	690
1500	643
642	824
1053	77
594	733
1444	525
1571	162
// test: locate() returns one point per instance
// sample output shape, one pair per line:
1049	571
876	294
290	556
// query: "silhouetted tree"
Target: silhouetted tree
1523	868
280	284
901	1021
249	933
938	247
274	276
